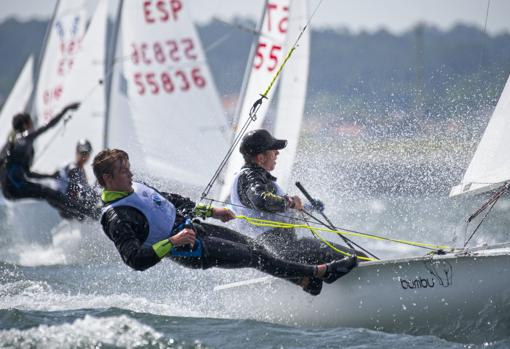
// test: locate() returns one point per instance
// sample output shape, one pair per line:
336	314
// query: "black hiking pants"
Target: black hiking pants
226	248
285	244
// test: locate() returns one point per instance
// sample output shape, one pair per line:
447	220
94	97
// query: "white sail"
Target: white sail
62	46
292	93
17	100
83	84
490	166
269	51
172	103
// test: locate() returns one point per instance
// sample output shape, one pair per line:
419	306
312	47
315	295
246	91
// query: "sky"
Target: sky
396	16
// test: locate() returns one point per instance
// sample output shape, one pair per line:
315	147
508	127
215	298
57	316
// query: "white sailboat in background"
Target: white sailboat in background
461	295
17	100
165	110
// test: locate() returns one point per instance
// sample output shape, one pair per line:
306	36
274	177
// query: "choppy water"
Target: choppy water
105	305
68	288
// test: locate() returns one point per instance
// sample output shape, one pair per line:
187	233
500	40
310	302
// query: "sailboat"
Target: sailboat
281	22
462	294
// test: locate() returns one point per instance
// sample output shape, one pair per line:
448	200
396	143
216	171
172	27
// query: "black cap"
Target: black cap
84	146
258	141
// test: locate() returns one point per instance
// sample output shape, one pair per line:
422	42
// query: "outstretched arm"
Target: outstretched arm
33	135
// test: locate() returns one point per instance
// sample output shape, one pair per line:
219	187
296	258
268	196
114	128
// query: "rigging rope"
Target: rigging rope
488	204
345	231
283	225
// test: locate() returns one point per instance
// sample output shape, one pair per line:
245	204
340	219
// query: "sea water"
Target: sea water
66	287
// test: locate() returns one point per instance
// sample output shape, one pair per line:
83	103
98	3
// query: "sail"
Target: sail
165	108
17	100
490	166
292	92
83	84
63	44
269	51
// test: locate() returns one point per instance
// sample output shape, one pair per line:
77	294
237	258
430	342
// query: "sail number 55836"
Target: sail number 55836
168	82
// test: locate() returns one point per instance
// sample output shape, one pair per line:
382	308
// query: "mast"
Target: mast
110	66
30	105
247	71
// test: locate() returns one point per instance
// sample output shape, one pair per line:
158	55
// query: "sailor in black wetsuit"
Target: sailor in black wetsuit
146	225
72	178
15	173
255	193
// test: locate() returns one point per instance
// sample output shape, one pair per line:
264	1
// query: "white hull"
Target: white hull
462	298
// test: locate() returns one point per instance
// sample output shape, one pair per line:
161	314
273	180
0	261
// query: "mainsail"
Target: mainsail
292	92
490	166
164	106
268	54
17	100
84	84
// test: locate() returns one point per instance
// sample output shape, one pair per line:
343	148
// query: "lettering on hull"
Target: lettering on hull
442	274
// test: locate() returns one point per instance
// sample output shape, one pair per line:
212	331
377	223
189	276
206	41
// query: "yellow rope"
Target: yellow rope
278	72
283	225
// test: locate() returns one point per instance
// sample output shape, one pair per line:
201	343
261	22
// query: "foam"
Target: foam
118	331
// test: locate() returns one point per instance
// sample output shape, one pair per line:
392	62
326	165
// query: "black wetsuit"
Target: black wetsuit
128	228
75	185
15	175
257	191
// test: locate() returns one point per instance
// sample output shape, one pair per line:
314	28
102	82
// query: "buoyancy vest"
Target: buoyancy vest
159	212
241	210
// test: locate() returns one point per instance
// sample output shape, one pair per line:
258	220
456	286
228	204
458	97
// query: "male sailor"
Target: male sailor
16	177
255	193
72	178
146	225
